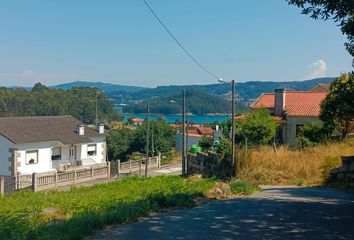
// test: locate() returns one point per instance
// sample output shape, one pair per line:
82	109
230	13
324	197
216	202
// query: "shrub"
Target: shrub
258	128
238	186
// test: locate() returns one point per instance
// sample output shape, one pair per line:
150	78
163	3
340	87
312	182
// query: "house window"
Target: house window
56	153
91	149
299	129
32	157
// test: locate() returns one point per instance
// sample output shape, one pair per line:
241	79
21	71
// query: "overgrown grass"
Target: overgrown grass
308	166
240	187
78	212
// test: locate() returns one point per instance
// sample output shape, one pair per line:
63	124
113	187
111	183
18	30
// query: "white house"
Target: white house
50	143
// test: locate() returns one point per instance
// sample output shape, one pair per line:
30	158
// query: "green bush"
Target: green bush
328	164
238	186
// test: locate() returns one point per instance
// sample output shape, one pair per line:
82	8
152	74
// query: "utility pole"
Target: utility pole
147	139
232	82
152	139
183	132
233	126
96	120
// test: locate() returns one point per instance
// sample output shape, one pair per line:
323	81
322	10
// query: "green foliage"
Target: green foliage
42	101
238	186
162	137
311	135
77	213
119	143
337	110
329	163
258	128
123	142
223	148
206	142
341	11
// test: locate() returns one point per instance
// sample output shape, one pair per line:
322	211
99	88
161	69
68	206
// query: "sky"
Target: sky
120	42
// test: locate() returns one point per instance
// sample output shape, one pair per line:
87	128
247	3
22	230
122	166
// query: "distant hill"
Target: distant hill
106	87
197	102
247	91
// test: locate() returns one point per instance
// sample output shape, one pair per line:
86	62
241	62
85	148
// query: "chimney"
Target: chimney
100	128
279	101
80	130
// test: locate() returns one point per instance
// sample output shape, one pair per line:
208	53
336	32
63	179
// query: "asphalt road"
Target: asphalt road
169	169
275	213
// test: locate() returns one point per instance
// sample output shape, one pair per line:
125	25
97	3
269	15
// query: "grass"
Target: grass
241	187
308	166
80	211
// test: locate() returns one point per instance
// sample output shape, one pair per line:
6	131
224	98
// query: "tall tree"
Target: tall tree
341	11
337	110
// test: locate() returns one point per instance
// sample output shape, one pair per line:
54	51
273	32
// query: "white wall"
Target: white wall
291	123
44	157
100	147
5	144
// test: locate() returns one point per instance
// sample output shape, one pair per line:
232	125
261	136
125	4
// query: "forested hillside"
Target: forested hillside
78	102
197	102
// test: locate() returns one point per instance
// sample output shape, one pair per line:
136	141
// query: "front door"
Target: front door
72	154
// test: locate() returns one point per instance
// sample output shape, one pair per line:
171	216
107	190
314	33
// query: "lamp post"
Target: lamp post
184	132
232	82
147	138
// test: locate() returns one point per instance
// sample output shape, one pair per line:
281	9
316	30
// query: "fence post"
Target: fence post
130	166
140	163
108	169
75	176
118	168
56	180
34	182
2	186
91	173
159	160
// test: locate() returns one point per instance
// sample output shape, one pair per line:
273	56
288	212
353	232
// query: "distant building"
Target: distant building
194	135
294	108
137	121
41	144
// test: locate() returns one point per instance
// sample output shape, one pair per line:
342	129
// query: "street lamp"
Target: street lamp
232	82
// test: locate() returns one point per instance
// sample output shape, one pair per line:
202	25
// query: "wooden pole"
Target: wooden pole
233	127
183	132
147	139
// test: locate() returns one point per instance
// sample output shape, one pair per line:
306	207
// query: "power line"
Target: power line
180	44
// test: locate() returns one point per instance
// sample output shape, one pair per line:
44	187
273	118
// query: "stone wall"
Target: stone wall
344	174
203	163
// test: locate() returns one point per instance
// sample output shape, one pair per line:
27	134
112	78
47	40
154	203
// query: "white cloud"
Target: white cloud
318	69
28	73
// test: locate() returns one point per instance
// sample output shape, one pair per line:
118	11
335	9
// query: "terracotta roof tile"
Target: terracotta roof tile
296	103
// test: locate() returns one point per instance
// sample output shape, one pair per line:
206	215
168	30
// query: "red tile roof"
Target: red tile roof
205	130
266	100
138	120
296	103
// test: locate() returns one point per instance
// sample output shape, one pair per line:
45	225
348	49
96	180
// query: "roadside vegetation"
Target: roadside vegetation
79	212
307	166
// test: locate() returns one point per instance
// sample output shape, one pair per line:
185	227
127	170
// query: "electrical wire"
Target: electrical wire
179	43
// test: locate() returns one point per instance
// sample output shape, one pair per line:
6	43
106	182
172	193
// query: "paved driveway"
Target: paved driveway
275	213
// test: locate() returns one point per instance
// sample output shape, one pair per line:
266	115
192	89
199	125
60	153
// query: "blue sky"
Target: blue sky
119	41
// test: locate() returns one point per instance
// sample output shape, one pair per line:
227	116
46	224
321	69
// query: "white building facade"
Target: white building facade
53	143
